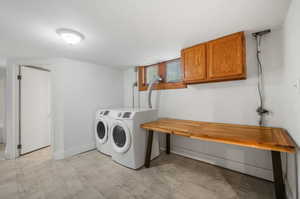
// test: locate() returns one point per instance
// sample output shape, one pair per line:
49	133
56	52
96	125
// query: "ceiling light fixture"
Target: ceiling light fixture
70	36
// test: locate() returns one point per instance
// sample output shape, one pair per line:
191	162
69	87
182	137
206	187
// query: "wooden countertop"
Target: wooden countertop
267	138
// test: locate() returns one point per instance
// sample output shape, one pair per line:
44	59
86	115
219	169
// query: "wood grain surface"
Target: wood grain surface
266	138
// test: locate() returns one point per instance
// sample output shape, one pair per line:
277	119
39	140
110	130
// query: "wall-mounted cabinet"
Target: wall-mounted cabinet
194	63
218	60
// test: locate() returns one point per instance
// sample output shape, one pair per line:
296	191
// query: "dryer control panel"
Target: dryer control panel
125	115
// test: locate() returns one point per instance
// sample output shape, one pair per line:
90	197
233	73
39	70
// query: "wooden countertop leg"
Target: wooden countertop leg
168	143
149	149
278	177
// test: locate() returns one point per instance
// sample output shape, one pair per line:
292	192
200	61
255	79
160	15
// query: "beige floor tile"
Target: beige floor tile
93	175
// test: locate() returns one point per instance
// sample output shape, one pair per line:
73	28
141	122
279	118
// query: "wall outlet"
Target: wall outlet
297	85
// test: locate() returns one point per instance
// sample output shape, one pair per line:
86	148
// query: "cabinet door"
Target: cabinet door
142	78
226	58
194	63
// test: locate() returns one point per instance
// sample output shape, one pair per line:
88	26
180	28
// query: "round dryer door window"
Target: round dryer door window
101	131
120	137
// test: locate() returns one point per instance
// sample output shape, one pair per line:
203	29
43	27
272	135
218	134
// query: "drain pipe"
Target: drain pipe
151	84
133	94
136	84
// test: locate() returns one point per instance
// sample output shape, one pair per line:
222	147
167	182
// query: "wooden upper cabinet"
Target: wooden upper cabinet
218	60
226	58
194	63
142	78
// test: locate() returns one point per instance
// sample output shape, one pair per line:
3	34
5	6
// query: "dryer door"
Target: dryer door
101	130
120	137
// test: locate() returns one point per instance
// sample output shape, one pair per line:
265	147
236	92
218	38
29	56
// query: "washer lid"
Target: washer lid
101	130
120	137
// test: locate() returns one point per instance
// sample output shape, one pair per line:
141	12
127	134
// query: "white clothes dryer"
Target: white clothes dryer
128	140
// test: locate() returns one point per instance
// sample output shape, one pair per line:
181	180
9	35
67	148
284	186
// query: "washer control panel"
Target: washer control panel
104	113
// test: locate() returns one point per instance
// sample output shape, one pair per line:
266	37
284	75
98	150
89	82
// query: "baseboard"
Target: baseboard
225	163
288	190
58	155
76	150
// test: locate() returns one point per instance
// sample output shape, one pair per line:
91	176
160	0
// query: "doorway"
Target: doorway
34	109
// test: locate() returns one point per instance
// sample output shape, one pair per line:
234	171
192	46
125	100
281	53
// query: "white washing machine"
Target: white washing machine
102	131
128	140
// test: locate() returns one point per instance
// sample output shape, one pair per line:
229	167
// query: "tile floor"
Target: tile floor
92	175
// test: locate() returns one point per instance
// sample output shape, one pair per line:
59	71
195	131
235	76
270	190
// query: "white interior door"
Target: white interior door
35	109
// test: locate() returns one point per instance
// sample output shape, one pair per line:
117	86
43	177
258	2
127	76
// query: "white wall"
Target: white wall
86	88
2	94
3	62
227	102
11	111
78	89
2	104
2	99
290	96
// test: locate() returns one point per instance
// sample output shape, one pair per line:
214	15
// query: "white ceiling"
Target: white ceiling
126	33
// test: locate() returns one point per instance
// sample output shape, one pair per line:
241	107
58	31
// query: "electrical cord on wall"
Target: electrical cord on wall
260	71
260	110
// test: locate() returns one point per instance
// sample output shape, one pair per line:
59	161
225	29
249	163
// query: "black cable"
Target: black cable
259	79
260	109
